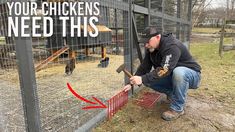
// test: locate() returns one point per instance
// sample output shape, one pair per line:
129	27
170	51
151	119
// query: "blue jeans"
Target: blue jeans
176	86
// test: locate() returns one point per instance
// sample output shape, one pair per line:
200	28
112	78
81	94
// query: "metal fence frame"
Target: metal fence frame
27	71
27	81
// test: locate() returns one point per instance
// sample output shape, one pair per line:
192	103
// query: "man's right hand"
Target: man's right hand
127	87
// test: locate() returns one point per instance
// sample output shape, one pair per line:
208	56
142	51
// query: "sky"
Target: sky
217	3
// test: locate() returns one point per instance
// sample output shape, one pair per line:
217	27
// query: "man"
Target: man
175	71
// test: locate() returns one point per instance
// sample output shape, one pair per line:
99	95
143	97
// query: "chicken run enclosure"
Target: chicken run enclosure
33	82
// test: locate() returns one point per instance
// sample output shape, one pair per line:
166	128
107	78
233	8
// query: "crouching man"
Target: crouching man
175	71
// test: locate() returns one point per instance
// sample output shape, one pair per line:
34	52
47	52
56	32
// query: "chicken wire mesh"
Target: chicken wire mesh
93	73
96	60
164	17
87	64
11	109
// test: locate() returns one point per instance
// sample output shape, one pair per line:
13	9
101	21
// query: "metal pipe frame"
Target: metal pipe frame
25	56
27	79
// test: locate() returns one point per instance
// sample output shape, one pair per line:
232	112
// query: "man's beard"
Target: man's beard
151	50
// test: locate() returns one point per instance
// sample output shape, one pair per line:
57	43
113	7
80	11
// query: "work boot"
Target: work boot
171	115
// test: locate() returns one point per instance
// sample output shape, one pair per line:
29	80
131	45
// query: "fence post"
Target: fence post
178	28
189	29
27	79
221	38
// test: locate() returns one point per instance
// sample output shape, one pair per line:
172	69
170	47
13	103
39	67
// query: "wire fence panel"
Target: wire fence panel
184	9
74	71
95	61
170	7
11	109
169	26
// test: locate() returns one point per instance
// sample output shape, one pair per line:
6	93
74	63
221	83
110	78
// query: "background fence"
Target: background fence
41	82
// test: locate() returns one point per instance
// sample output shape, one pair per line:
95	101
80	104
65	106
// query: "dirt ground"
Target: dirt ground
59	109
200	115
210	108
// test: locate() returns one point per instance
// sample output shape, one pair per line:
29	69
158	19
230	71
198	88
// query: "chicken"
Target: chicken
70	66
104	62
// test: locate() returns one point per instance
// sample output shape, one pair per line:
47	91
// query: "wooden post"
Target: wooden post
103	51
93	50
221	39
87	52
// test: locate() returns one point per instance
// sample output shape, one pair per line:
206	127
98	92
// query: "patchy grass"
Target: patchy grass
205	30
207	109
210	30
2	40
229	40
218	74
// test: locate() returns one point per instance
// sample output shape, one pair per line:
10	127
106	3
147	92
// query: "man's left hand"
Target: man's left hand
136	80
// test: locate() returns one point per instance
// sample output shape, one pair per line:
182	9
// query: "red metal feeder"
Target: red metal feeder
148	99
116	102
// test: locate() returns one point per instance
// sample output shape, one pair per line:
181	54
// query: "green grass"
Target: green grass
210	30
228	40
205	30
2	39
217	84
218	74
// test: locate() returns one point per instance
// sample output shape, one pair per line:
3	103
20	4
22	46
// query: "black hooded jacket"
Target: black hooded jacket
170	54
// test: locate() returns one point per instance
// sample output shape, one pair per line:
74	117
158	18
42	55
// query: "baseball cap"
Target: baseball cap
148	33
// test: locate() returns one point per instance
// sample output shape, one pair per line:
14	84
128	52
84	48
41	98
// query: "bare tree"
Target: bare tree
227	13
232	8
194	3
199	7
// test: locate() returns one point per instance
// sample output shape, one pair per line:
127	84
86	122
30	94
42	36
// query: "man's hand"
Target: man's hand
136	80
127	87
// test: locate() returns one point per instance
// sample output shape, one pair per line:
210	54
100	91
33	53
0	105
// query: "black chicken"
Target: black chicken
104	62
70	66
